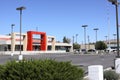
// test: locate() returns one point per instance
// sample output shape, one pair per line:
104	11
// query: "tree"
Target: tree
76	46
100	45
66	40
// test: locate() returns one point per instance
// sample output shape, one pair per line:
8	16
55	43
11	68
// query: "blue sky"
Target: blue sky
60	17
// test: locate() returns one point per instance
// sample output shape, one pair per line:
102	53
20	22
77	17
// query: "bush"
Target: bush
40	70
111	75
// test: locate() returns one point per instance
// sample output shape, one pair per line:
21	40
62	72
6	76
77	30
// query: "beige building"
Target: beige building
88	46
11	42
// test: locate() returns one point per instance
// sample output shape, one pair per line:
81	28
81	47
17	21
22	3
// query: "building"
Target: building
88	46
32	41
112	44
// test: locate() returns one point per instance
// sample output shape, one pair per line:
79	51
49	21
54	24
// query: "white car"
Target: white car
110	49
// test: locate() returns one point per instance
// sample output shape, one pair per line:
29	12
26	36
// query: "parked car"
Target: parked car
76	51
91	50
83	50
110	49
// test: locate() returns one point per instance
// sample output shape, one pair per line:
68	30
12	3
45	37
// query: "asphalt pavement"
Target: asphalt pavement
80	60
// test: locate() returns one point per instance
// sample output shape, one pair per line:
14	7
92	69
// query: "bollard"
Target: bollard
117	65
20	57
12	54
95	72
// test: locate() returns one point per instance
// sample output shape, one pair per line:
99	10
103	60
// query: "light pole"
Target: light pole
36	28
106	39
88	42
96	33
114	39
76	38
73	43
12	39
20	9
84	26
116	3
73	39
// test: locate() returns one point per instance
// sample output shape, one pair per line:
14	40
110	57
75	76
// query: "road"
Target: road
80	60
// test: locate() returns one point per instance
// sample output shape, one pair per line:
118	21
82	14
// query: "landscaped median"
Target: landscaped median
40	70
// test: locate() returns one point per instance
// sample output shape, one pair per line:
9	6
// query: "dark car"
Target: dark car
91	50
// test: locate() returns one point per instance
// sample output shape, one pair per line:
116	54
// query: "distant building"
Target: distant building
42	42
88	46
110	44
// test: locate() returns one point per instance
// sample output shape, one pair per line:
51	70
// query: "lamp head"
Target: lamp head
12	24
20	8
84	25
113	1
95	29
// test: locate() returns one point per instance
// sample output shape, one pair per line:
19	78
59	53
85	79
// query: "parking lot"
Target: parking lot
80	60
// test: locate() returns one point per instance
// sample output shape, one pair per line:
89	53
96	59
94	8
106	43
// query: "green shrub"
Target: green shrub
111	75
40	70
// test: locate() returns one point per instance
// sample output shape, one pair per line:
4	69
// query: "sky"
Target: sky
60	18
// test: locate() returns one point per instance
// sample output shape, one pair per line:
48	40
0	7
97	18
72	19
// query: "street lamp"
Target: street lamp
96	32
76	37
84	26
73	39
116	3
36	28
12	39
106	39
73	42
114	39
88	42
20	9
